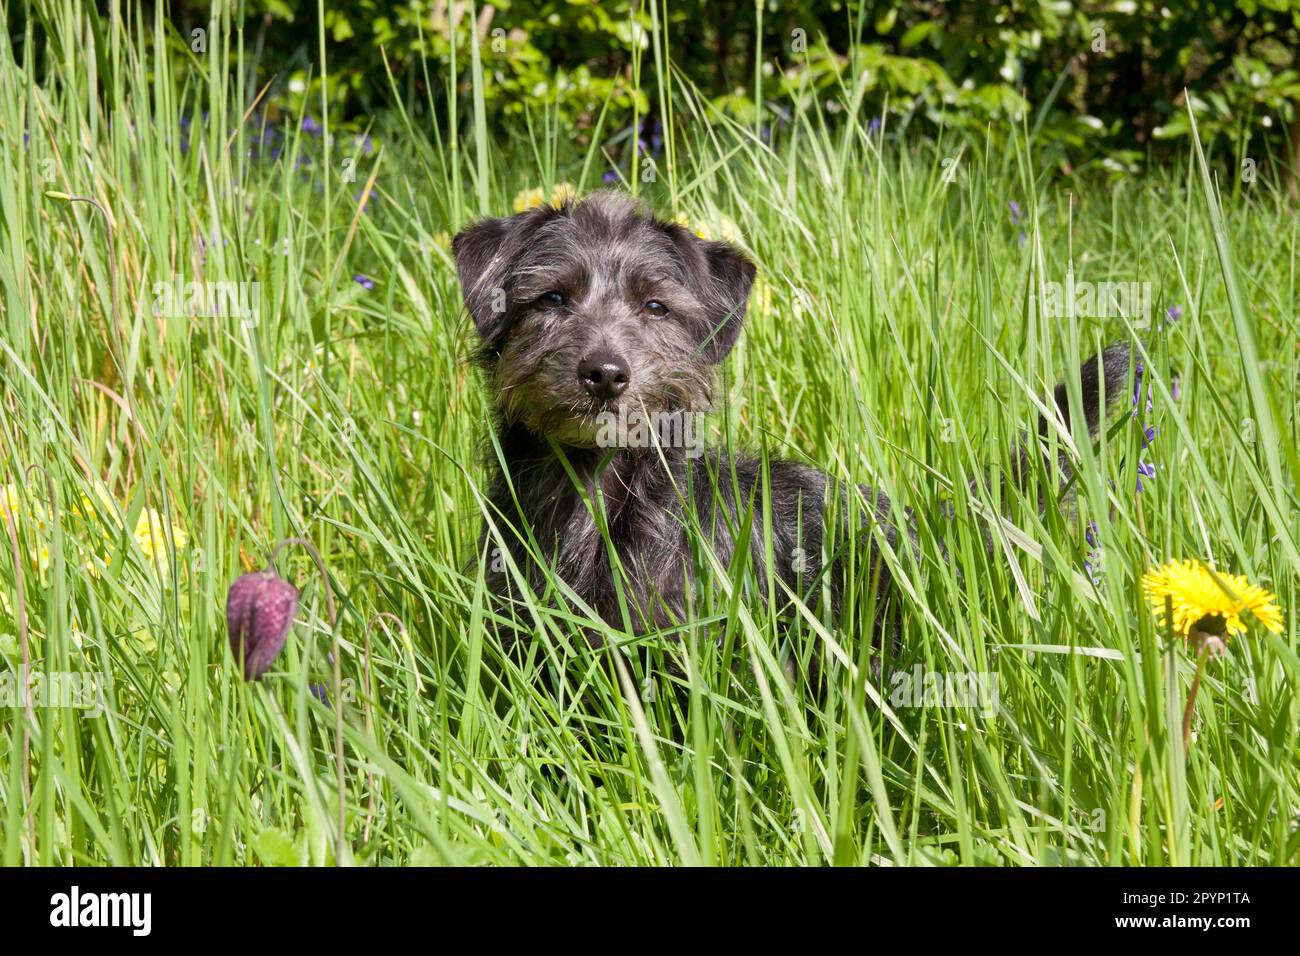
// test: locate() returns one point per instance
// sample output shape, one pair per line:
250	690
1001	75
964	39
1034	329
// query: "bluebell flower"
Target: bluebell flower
1015	212
1145	469
873	125
1094	554
1094	575
1137	390
364	281
309	125
611	177
650	138
318	691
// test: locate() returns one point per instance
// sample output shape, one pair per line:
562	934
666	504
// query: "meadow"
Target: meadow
219	329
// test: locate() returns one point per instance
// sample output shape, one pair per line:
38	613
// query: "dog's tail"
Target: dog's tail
1104	383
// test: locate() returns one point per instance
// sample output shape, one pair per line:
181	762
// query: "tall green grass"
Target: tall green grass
895	338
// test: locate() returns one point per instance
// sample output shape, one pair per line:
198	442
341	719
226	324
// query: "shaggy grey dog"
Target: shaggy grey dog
597	313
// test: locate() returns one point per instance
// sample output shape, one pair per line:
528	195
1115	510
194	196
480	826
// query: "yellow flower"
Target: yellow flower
563	193
529	199
762	297
685	223
726	228
532	198
1202	603
151	540
11	508
442	241
10	504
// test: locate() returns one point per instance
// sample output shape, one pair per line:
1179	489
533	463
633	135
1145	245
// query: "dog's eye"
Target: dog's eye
551	298
656	308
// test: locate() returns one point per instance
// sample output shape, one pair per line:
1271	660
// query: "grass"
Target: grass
894	339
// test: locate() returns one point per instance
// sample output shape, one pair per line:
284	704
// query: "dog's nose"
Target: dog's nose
604	375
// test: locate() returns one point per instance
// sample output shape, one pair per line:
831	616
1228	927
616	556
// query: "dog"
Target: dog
597	311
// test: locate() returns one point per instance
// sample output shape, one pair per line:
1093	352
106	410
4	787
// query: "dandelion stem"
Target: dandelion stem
1191	695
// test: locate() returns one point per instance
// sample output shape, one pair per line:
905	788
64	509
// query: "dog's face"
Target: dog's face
598	306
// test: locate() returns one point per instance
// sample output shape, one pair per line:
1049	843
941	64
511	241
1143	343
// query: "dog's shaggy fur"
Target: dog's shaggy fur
563	299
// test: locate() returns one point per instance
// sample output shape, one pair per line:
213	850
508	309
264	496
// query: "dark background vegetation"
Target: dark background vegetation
1099	82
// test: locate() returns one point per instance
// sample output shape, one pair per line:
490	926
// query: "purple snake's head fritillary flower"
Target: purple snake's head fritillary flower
259	615
364	281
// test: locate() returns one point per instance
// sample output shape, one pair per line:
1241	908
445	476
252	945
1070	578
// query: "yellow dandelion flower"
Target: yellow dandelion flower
95	566
151	539
442	241
532	198
563	193
10	504
727	229
529	199
681	220
762	297
1208	602
11	508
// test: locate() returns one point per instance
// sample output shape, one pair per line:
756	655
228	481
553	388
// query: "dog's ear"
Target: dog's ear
731	276
483	254
722	276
